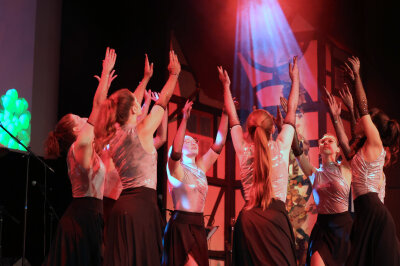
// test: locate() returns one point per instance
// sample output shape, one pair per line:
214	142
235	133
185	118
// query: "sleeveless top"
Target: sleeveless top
330	189
279	172
366	176
135	166
86	182
190	193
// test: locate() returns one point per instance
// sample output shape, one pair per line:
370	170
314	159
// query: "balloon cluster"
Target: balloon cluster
16	118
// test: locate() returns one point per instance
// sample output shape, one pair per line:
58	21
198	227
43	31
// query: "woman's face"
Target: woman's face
328	146
190	147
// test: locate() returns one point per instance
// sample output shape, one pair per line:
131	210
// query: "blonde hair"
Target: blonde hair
260	126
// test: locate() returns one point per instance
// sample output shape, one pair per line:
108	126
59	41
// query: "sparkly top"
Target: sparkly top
280	162
190	193
86	182
366	176
330	189
135	166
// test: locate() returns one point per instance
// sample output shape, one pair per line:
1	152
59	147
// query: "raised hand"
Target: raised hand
187	109
148	68
110	79
174	67
352	67
223	76
346	97
335	108
155	96
294	70
355	64
109	60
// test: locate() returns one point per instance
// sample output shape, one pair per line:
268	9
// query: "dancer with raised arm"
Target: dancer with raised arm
263	234
185	241
330	238
113	185
373	236
329	242
135	226
79	236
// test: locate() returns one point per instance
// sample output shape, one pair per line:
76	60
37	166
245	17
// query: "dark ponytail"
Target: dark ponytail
61	138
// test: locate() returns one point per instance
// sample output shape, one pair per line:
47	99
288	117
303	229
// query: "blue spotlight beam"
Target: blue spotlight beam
266	42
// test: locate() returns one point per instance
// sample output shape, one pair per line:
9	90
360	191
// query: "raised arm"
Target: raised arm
149	125
285	137
148	72
294	92
209	158
335	110
373	145
161	133
234	123
348	102
174	165
146	105
83	148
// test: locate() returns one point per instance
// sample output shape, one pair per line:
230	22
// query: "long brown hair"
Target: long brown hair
259	126
61	138
114	110
389	132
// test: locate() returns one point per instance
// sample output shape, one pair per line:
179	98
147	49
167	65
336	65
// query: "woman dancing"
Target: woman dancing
263	234
373	236
112	183
330	237
134	228
79	234
185	241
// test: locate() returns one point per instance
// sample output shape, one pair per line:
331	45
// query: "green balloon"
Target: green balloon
25	119
8	117
24	136
24	104
1	117
9	103
19	107
17	124
13	94
4	137
12	144
11	128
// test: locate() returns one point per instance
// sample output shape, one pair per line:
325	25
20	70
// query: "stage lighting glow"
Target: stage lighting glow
264	46
16	118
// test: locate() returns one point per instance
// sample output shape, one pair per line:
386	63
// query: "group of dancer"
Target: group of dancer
112	162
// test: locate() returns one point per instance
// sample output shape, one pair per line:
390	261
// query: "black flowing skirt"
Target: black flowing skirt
79	235
330	236
264	237
134	229
373	236
184	234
